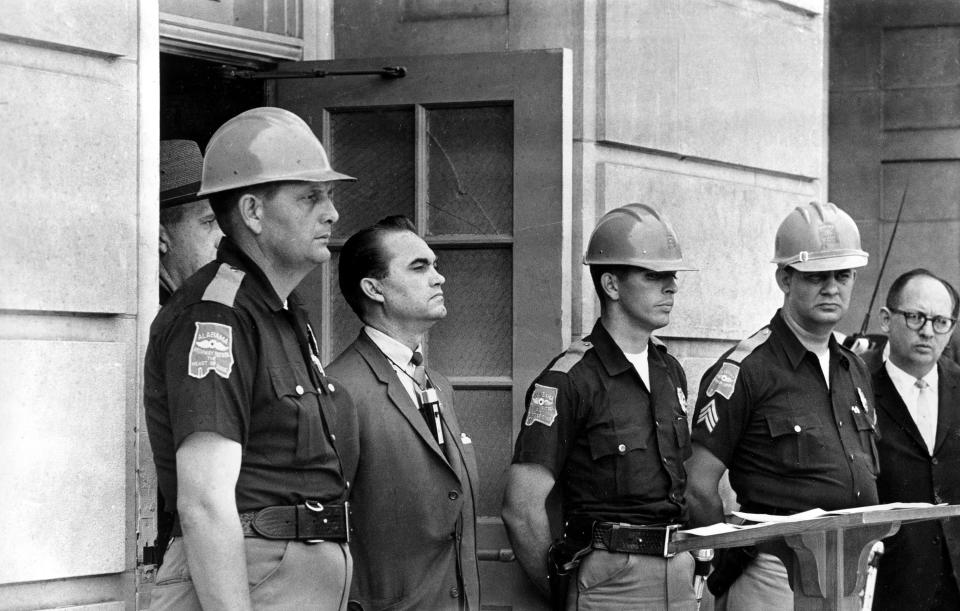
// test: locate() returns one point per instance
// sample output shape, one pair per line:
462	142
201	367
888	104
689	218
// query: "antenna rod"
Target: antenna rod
883	265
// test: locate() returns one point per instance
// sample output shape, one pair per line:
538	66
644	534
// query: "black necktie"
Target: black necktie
419	373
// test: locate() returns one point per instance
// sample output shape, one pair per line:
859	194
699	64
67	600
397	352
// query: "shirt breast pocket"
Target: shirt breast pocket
796	437
296	391
611	452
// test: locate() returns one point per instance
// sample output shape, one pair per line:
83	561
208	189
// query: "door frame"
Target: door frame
202	38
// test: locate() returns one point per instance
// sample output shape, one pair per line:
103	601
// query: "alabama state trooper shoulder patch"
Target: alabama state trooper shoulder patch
212	350
543	406
724	381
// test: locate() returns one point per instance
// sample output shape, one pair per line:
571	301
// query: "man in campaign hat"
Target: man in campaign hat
189	232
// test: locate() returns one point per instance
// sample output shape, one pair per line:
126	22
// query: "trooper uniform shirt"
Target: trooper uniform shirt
615	447
227	356
790	442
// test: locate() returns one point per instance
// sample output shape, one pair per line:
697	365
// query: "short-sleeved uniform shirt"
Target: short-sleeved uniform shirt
615	448
227	356
790	442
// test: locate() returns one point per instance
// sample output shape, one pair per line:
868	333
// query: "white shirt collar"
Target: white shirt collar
905	382
395	351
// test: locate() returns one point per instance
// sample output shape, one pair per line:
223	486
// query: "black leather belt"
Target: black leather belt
311	522
623	538
630	539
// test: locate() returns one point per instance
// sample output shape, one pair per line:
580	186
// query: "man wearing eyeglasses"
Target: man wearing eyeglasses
788	411
917	398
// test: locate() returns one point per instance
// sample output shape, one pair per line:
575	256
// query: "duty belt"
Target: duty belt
623	538
311	522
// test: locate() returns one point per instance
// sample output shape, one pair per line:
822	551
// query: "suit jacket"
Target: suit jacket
920	554
413	510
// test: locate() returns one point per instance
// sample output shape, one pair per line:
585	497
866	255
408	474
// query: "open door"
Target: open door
476	149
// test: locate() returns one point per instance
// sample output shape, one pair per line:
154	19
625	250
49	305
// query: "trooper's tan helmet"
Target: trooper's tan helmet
819	237
638	236
264	145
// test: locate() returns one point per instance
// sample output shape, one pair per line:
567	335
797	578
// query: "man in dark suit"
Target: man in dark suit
412	472
918	407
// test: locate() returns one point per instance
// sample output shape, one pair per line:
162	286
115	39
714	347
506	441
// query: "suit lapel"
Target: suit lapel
396	393
890	401
948	394
451	430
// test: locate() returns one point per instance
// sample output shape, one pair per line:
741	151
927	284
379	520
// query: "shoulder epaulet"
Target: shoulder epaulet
746	346
572	356
224	286
725	380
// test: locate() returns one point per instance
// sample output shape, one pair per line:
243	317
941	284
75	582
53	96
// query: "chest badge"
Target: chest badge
866	407
682	398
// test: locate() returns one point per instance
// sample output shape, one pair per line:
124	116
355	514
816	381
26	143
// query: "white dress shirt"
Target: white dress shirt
924	413
399	357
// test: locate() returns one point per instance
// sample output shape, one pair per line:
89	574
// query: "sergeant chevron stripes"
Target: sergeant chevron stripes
708	415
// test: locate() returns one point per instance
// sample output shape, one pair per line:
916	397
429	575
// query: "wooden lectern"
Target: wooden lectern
826	556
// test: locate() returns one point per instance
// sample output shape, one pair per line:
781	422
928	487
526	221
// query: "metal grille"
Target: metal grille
470	189
377	149
475	338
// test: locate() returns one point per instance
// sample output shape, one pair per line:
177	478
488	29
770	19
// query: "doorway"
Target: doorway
196	98
482	167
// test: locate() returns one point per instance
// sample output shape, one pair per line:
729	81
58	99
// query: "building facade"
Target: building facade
517	125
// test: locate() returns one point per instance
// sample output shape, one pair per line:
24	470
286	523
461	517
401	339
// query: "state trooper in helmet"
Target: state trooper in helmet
237	404
606	426
787	411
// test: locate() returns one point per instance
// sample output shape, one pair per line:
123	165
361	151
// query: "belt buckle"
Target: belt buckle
669	529
316	507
